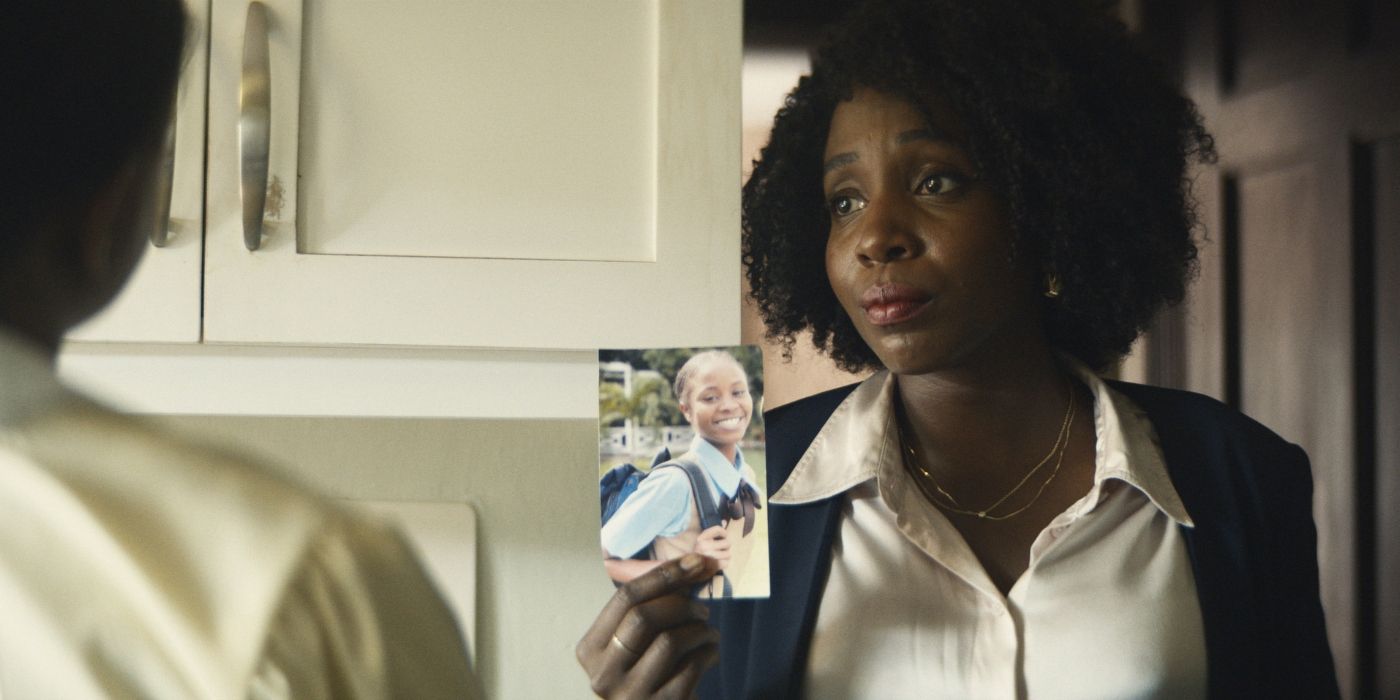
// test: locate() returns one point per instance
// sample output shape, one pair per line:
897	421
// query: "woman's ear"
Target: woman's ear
685	411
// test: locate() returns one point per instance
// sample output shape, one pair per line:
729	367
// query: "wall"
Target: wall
534	487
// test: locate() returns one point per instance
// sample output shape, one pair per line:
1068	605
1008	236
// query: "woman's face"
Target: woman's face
919	254
717	402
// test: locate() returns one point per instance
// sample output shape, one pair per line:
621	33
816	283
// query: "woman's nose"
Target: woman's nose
888	232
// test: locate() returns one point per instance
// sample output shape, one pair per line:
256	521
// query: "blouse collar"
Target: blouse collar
725	474
859	442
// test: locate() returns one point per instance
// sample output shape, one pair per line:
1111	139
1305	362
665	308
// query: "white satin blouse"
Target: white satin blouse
1106	609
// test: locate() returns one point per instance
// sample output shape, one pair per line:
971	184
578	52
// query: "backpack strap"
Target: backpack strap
709	512
700	486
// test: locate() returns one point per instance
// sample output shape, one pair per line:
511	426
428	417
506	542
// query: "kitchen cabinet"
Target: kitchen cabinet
462	199
487	174
524	174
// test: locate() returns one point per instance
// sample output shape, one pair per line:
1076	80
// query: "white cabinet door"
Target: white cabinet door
161	302
493	173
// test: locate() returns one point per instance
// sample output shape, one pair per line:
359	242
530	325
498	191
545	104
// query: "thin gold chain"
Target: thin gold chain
1060	438
912	462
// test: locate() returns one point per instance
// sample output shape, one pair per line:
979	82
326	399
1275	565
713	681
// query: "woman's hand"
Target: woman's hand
651	640
624	570
714	543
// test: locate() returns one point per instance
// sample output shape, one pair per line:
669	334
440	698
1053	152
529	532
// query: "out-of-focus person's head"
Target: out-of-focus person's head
89	86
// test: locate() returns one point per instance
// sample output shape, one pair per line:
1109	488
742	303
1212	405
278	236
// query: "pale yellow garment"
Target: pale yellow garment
134	565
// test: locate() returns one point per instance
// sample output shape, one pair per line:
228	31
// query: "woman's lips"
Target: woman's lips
890	303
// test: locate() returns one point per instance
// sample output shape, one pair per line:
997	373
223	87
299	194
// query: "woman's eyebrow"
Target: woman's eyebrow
839	160
927	134
923	134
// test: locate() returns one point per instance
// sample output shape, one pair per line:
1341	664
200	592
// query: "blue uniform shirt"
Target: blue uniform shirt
661	505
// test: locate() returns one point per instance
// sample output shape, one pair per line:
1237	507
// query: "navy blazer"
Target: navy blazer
1253	552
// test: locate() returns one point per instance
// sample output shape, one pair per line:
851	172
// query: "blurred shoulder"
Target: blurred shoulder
189	499
187	538
87	443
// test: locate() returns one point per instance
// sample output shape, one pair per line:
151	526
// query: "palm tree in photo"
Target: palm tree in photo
644	406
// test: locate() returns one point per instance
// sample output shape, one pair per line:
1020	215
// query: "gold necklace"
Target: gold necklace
912	462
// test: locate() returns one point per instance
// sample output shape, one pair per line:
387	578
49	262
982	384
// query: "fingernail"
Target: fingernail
699	610
691	563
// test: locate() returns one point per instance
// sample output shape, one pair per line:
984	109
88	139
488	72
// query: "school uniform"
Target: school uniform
662	510
663	513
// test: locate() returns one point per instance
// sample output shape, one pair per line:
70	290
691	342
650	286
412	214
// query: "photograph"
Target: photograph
681	464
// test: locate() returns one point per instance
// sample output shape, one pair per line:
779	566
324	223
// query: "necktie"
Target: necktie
742	505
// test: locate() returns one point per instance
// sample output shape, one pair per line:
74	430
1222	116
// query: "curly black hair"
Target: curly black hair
1085	140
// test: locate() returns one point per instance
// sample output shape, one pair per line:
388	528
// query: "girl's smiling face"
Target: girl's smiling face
717	403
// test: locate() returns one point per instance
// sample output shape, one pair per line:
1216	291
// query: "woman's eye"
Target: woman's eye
940	183
845	205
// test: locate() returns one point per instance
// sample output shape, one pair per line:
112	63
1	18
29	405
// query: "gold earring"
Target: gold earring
1052	285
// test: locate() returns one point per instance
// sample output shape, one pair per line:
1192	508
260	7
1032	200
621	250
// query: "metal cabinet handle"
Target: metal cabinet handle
160	232
254	123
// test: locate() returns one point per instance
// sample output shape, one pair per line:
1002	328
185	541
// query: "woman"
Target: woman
664	518
987	202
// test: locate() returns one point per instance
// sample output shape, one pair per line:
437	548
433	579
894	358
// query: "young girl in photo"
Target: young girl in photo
662	520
